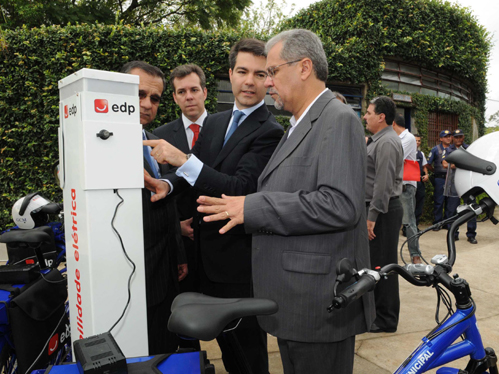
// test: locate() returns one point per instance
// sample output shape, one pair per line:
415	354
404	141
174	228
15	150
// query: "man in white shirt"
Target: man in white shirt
408	197
421	189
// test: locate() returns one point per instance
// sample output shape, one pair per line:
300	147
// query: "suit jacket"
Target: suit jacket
233	170
174	133
308	214
163	247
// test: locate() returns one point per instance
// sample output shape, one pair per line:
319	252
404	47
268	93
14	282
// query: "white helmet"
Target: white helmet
478	168
28	212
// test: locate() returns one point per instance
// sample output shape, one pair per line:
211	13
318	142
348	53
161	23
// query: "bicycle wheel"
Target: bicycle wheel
8	362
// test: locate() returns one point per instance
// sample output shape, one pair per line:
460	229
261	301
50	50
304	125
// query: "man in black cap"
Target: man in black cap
439	174
453	199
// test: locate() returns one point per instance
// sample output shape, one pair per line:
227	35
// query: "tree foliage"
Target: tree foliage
264	18
494	119
203	13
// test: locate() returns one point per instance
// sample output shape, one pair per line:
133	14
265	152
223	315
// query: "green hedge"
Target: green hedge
440	36
33	61
359	34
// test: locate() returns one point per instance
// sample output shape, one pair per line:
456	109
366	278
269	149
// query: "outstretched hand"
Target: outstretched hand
159	187
228	207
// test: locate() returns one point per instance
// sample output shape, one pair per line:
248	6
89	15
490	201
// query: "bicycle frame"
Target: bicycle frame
440	350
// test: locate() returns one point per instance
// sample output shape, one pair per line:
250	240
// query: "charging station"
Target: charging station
100	152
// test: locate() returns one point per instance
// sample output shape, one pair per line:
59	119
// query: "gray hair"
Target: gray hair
300	43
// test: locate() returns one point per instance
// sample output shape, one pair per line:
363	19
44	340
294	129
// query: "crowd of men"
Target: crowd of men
235	207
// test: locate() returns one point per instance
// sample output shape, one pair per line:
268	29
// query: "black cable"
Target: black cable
127	257
51	281
433	335
420	233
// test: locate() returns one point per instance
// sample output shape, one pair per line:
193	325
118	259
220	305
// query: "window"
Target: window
411	78
438	122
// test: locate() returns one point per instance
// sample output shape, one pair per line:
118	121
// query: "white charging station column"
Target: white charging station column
100	150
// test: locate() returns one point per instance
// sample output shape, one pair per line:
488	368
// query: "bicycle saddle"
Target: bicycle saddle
204	317
36	235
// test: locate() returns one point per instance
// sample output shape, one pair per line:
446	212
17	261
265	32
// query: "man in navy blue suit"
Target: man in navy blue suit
232	150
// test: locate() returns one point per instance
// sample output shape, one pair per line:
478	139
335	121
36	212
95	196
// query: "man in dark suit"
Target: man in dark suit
308	213
165	262
231	152
189	92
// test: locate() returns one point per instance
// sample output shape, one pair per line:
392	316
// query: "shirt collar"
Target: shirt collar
187	122
403	134
294	122
382	132
247	111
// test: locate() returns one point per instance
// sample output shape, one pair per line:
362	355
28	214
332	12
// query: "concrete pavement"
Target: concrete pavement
383	353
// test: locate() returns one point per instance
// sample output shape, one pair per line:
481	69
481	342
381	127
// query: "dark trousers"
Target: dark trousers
452	204
160	339
251	337
438	199
384	250
317	358
420	194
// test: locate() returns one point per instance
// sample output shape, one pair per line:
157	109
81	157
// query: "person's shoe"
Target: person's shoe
404	231
472	240
456	238
375	329
416	260
437	228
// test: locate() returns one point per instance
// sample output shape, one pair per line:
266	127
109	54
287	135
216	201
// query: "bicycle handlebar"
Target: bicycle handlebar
367	278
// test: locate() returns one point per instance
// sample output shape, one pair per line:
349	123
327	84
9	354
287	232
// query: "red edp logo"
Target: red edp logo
101	105
66	113
53	344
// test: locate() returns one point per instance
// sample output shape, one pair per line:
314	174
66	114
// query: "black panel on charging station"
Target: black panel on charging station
99	354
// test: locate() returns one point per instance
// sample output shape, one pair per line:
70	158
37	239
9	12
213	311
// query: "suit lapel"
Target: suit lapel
249	125
217	140
180	137
287	146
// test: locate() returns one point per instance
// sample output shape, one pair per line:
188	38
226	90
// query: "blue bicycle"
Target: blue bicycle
34	315
437	347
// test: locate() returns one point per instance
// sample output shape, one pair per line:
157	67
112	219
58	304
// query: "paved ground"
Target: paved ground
383	353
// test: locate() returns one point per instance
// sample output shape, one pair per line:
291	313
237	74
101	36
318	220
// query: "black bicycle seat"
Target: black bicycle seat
36	235
204	317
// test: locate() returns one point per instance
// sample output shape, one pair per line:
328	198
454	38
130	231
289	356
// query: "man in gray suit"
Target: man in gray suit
308	213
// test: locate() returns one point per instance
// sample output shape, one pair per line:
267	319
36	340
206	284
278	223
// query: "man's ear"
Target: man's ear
205	92
175	98
306	68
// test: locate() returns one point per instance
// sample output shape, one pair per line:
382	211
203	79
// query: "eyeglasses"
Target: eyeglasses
271	70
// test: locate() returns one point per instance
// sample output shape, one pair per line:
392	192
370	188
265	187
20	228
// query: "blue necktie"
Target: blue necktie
147	155
236	116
